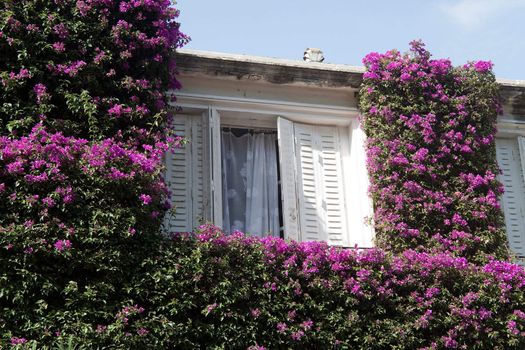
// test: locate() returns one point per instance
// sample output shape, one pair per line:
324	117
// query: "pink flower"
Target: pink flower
116	110
59	46
256	347
101	328
142	331
40	91
61	31
297	335
145	198
211	307
49	202
281	327
306	325
18	341
100	55
405	77
62	244
483	66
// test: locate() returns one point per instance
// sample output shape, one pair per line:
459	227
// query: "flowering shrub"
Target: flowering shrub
239	292
88	68
83	120
431	154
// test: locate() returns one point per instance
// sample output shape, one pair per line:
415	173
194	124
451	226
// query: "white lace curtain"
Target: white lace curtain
250	184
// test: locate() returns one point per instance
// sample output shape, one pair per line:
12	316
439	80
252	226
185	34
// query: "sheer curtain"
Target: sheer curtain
250	184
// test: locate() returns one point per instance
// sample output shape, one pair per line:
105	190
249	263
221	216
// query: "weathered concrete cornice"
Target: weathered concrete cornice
282	71
513	96
273	70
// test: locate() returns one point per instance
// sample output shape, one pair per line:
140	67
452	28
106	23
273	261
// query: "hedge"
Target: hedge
214	291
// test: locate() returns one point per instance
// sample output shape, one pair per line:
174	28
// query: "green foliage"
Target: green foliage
431	154
214	291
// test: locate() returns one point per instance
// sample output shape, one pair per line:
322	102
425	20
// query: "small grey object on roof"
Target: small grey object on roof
312	54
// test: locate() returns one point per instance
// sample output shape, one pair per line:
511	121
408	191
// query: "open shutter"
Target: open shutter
513	199
308	180
312	182
330	167
214	136
358	203
320	184
185	176
285	135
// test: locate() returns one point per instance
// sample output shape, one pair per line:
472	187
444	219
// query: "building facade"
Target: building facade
276	149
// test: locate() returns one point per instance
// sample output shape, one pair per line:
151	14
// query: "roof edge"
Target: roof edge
272	61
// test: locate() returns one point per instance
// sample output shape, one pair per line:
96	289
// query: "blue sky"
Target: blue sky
346	31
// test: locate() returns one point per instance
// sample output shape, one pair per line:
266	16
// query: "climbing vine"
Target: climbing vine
431	154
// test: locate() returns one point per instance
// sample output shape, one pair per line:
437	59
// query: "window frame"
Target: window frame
254	113
512	129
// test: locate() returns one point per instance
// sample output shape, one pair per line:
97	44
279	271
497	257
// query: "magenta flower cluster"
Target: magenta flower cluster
43	175
123	64
422	300
430	148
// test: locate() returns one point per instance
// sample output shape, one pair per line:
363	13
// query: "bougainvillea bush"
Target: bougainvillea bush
215	291
431	154
83	120
88	68
238	291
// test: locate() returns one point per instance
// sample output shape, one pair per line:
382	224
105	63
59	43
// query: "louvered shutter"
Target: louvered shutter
320	184
513	200
186	176
214	137
308	181
285	135
311	182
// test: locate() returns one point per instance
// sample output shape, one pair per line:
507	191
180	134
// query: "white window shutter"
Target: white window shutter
309	178
214	135
358	203
285	135
331	170
521	145
185	176
320	184
513	200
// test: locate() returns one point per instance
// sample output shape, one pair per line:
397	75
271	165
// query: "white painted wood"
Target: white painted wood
310	197
513	200
304	113
320	186
184	176
215	165
332	180
207	202
285	136
198	177
521	145
362	233
352	209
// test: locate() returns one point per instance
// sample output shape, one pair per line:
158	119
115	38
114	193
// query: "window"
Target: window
510	153
250	181
322	180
